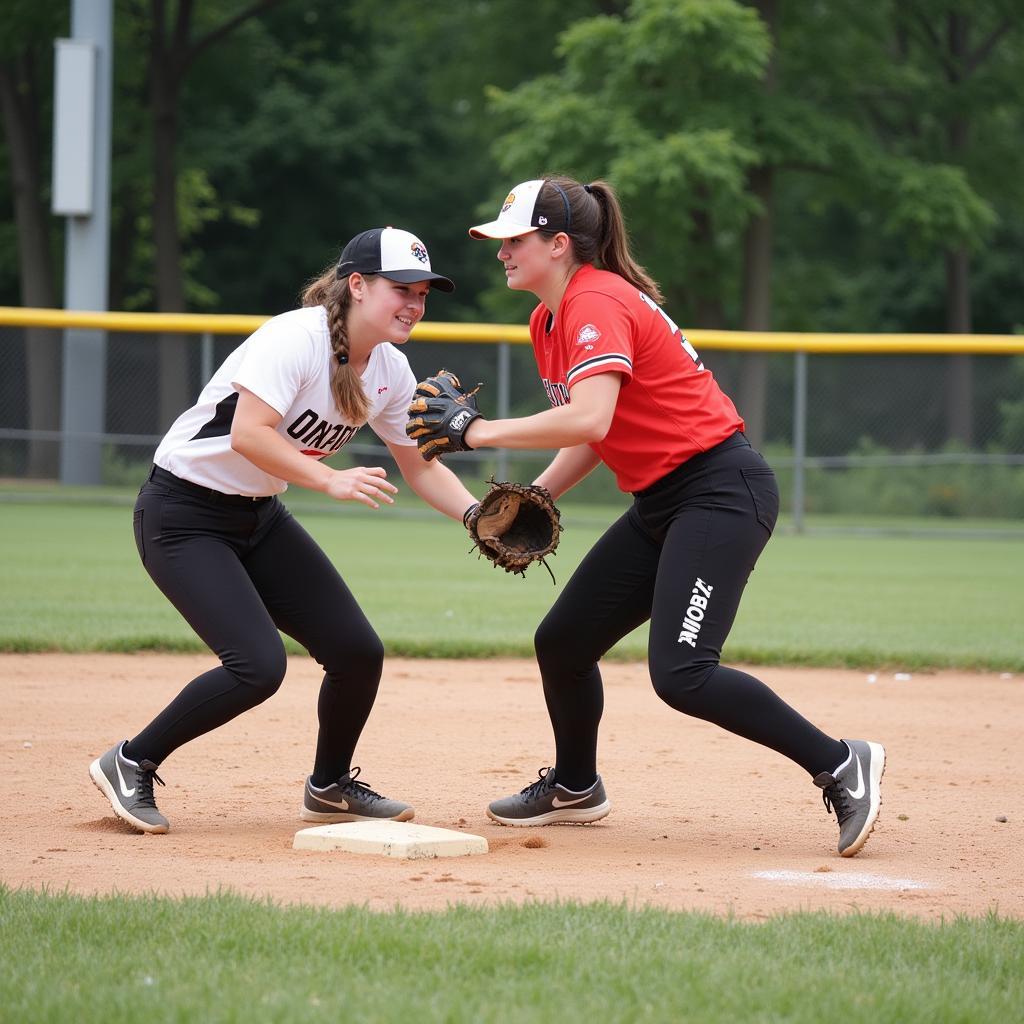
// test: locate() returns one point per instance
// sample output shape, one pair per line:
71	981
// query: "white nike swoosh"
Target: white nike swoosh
125	791
556	802
859	791
331	803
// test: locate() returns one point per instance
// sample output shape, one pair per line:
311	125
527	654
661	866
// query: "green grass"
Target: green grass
72	581
225	958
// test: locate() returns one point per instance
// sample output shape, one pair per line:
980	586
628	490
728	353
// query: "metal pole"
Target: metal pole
205	359
86	249
504	404
799	437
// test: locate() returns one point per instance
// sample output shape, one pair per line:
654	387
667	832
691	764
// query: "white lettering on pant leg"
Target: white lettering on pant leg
693	617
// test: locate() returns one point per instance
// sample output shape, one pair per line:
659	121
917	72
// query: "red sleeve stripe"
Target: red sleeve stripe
607	360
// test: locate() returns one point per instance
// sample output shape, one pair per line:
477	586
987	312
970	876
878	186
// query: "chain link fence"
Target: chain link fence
916	441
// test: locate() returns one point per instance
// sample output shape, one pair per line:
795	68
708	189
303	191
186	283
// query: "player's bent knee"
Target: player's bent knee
557	651
262	672
365	657
545	639
353	653
679	685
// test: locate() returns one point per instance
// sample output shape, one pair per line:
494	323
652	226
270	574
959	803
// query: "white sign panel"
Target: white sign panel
74	118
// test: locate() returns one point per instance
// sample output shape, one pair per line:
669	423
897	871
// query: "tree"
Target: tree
677	104
168	37
656	100
758	239
351	120
943	80
958	41
27	31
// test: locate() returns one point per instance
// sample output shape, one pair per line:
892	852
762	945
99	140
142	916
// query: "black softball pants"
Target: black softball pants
680	557
238	570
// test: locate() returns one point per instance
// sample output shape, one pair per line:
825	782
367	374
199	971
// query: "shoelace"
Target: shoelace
535	789
834	796
359	789
145	776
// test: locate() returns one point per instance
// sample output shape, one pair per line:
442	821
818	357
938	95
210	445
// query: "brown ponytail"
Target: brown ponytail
346	387
592	218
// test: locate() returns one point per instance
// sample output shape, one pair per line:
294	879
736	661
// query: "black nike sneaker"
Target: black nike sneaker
349	800
545	802
852	791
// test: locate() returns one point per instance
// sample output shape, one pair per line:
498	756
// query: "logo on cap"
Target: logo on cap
419	252
508	202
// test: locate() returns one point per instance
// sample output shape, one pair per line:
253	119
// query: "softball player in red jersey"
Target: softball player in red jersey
219	543
628	389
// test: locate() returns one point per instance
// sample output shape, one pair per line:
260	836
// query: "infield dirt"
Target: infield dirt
700	820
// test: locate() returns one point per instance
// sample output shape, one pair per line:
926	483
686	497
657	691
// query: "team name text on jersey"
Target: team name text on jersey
318	434
558	394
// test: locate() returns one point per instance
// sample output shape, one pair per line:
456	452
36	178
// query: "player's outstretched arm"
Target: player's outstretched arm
567	469
434	482
584	420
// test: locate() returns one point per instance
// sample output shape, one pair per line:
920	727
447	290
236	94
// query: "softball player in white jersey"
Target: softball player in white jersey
218	542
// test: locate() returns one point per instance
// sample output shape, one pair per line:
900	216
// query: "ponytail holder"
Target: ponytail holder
342	358
587	189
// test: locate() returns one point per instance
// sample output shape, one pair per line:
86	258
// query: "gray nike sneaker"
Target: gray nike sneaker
545	802
853	793
348	800
128	785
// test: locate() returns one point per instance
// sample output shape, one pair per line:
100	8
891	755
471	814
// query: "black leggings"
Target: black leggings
680	556
239	570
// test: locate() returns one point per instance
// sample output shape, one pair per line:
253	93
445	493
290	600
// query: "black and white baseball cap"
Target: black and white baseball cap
518	214
391	253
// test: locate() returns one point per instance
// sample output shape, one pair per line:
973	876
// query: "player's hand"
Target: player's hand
440	412
367	484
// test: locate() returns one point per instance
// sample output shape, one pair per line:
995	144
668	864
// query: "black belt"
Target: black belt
176	483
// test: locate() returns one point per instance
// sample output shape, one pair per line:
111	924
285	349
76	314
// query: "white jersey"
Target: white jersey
287	363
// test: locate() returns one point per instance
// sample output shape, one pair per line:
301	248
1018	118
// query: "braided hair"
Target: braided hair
346	387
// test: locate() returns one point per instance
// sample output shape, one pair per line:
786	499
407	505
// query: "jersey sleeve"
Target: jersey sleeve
599	336
388	420
276	362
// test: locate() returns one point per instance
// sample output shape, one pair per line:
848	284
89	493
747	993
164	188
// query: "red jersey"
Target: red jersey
670	407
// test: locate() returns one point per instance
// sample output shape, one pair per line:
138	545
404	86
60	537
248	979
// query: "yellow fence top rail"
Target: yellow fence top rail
740	341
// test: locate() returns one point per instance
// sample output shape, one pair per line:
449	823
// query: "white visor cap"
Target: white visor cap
518	215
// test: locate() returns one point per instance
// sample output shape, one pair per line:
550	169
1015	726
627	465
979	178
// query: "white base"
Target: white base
401	839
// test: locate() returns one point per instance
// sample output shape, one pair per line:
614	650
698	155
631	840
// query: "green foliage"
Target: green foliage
351	120
308	122
226	958
881	486
27	32
949	490
1011	411
930	139
25	24
935	208
117	470
659	102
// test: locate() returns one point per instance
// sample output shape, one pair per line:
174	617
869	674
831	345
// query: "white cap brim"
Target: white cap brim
500	229
517	213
